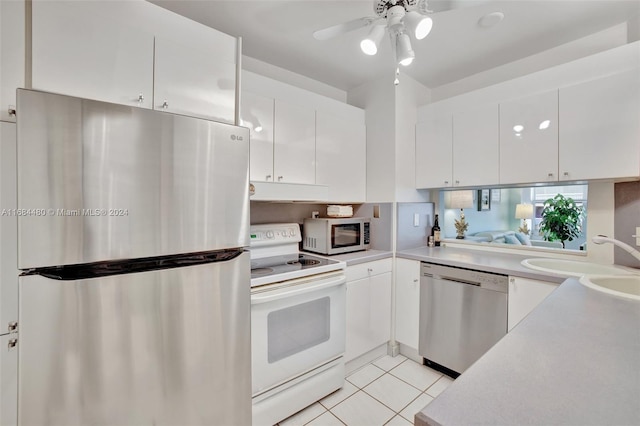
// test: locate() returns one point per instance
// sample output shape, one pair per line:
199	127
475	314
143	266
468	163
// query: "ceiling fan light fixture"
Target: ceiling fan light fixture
404	52
419	25
369	45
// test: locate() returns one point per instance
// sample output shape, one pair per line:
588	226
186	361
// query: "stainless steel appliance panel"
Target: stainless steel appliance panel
167	347
463	314
9	379
100	181
8	230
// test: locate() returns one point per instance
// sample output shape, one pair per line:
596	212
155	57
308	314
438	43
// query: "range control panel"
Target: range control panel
273	234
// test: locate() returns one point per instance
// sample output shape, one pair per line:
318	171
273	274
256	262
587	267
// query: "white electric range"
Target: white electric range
297	323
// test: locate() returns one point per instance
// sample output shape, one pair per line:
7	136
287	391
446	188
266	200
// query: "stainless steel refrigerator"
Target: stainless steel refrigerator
134	293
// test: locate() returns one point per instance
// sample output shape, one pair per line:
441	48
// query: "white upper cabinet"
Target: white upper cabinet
341	157
12	54
529	139
193	82
257	115
475	146
89	50
295	143
600	128
434	150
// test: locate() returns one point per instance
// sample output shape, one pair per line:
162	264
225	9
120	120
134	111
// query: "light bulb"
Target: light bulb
369	45
418	24
404	52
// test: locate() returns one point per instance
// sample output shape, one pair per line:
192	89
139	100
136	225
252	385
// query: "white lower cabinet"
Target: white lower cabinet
368	307
524	295
407	302
8	379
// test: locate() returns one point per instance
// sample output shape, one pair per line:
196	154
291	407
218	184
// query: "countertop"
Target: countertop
575	360
490	261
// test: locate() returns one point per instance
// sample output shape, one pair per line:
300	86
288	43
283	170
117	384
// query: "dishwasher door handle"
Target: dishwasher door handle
461	281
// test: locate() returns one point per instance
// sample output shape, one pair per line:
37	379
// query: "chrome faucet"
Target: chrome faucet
601	239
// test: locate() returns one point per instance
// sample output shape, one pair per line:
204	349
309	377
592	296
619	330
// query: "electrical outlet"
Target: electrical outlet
638	236
376	212
416	219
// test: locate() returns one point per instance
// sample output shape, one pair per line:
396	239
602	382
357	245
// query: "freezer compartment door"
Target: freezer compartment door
100	181
169	347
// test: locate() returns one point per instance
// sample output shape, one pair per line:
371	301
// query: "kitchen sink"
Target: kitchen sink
573	268
619	285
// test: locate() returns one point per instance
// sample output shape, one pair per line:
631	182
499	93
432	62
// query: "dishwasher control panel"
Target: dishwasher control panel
486	280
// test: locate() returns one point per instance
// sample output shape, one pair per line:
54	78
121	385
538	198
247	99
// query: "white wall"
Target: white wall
377	98
289	77
409	95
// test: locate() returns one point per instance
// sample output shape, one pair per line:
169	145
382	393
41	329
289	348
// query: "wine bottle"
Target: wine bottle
435	232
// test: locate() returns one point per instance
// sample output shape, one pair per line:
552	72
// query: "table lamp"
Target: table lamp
524	212
460	200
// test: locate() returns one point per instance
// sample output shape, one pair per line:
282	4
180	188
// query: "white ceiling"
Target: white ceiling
280	33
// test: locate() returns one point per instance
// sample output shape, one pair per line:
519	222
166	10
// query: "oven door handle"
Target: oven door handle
296	290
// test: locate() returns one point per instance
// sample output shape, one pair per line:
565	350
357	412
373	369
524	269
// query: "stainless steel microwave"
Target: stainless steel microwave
336	236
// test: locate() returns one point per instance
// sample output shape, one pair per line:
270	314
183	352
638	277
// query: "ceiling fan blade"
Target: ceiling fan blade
327	33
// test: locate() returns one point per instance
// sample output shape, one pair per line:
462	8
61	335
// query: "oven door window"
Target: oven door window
347	235
297	328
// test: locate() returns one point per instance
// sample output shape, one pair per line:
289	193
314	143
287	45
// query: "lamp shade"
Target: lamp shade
460	200
524	211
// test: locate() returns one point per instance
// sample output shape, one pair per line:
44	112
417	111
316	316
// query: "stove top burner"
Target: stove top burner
304	262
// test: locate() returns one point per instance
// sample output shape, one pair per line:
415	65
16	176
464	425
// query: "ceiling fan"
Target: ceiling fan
401	18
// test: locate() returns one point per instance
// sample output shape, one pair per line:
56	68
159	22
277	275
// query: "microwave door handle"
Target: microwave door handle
296	290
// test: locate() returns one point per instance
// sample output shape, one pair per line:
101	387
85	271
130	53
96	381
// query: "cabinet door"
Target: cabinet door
193	82
341	148
475	147
434	152
295	143
600	128
524	295
257	115
407	302
368	314
8	228
12	54
529	139
8	379
90	50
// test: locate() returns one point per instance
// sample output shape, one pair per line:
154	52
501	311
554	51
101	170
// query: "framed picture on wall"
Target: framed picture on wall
484	200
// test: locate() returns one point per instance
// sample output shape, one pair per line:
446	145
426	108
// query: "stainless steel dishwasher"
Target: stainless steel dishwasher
463	313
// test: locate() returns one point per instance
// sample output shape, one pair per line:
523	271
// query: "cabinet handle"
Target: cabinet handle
140	98
280	178
566	174
446	182
12	110
550	175
457	182
165	105
12	326
12	343
369	270
268	177
415	280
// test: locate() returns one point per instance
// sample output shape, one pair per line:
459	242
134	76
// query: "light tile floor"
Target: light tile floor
388	391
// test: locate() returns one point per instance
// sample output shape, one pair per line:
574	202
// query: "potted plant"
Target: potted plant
561	219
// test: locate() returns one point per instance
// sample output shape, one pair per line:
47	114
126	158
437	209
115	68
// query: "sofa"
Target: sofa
514	238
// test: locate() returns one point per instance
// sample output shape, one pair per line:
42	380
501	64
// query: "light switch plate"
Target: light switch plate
638	236
416	219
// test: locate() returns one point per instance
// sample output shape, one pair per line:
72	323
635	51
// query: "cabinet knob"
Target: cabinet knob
566	174
415	280
446	182
165	105
268	177
12	326
457	182
12	110
12	343
280	178
140	98
369	270
550	175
